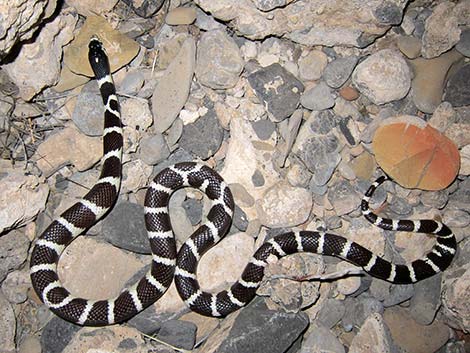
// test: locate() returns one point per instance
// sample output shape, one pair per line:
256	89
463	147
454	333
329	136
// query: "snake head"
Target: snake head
98	58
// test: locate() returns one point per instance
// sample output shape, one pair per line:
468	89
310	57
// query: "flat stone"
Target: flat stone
57	334
120	48
318	97
339	70
172	89
257	329
178	333
153	149
203	137
344	197
68	146
7	325
457	91
320	339
145	9
430	78
277	89
89	109
409	46
219	61
181	16
463	46
373	336
311	66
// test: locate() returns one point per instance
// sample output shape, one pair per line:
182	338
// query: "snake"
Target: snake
168	263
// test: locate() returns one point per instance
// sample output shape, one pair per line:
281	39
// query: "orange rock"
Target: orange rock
349	93
415	154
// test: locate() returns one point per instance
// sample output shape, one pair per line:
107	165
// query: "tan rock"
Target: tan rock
120	49
92	7
373	337
430	78
349	93
95	270
455	298
413	337
410	46
68	146
181	16
363	165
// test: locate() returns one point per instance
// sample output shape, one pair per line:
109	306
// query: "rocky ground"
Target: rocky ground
282	97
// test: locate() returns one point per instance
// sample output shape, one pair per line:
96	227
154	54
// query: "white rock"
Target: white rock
136	175
38	63
22	197
383	77
136	113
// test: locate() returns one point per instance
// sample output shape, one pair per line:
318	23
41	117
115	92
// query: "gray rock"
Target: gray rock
323	122
7	325
219	61
57	334
153	149
263	128
179	155
318	97
463	46
124	227
426	300
358	309
132	83
193	210
331	313
343	197
277	89
268	5
13	252
457	91
88	112
258	329
257	178
388	13
321	339
320	155
203	137
435	199
400	206
145	9
339	70
178	333
240	220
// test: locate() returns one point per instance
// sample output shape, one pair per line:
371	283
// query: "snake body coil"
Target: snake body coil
167	263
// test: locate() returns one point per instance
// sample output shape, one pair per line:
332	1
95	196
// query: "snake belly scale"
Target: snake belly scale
168	263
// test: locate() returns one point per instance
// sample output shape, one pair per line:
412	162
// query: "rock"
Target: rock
349	93
411	336
457	91
172	89
108	339
145	9
320	155
463	46
373	336
111	269
57	334
219	61
68	146
331	312
344	197
30	344
136	113
443	117
133	82
22	21
257	329
359	309
441	31
124	227
15	287
277	89
430	78
120	48
23	197
44	54
320	339
264	128
465	161
311	66
220	266
457	289
318	97
331	24
203	137
135	176
339	70
363	165
383	77
410	46
7	325
153	149
178	333
181	16
426	301
284	206
89	109
92	7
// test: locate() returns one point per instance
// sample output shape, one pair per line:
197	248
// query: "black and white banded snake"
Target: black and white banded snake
167	263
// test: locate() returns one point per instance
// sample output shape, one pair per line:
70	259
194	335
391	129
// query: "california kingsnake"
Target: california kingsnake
168	263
